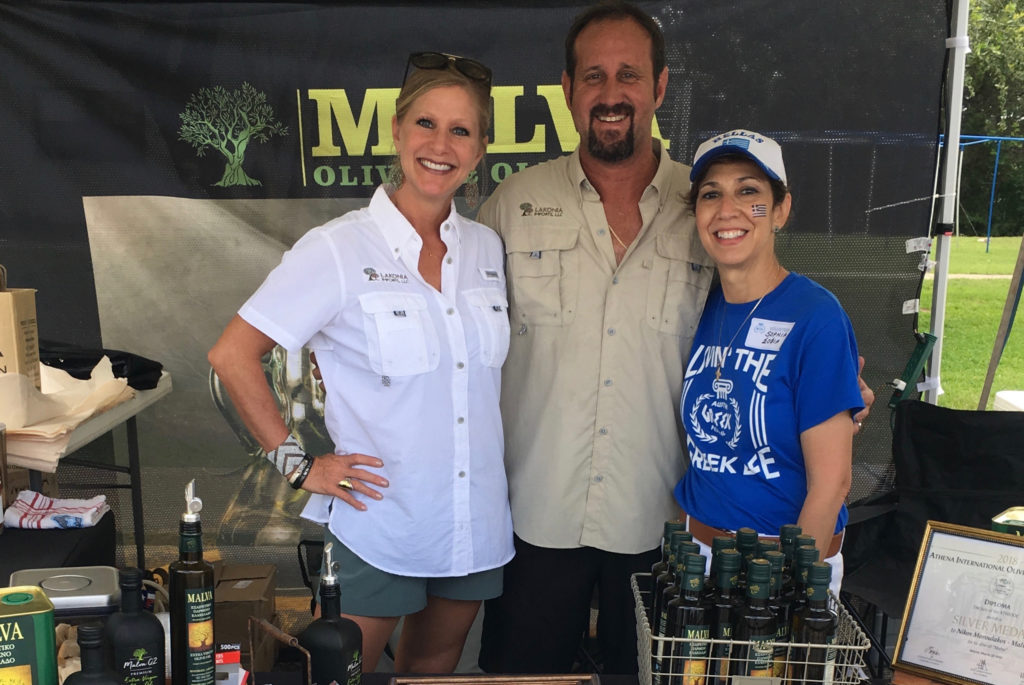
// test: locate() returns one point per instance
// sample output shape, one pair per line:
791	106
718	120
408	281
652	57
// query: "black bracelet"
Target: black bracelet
299	475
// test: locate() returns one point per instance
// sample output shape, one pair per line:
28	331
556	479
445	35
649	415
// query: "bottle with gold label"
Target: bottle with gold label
192	648
755	627
817	627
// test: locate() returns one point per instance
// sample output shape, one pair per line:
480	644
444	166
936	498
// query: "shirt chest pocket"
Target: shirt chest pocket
543	268
489	309
680	280
400	337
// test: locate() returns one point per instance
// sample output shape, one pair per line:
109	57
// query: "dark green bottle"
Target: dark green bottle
817	627
755	626
746	543
718	543
782	608
725	607
665	578
191	597
787	541
765	545
805	557
689	618
661	648
661	565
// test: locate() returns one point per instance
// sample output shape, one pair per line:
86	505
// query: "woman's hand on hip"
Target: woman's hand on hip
340	475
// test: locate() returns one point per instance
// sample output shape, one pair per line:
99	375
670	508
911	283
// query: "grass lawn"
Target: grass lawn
974	308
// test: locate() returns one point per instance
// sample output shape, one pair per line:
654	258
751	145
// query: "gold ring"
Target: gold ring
345	483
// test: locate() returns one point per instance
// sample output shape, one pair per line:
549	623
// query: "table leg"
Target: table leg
135	476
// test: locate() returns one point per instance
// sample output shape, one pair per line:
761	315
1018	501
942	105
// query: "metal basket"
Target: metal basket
659	663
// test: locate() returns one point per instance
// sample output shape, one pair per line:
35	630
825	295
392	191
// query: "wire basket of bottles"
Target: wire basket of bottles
696	658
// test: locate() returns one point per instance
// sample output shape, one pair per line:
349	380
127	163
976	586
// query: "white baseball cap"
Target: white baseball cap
761	150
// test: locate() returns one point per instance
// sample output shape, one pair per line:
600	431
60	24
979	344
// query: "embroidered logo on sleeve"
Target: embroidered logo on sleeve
767	335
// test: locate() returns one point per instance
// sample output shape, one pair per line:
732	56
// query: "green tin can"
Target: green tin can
1010	521
28	653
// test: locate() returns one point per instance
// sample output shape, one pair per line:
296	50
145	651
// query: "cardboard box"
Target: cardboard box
19	333
17	480
241	591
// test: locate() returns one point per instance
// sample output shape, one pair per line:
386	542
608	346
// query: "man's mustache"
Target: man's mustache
621	108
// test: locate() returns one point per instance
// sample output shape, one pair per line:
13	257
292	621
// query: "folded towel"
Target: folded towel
33	510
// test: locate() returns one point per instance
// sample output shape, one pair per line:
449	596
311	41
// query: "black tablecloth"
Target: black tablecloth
24	548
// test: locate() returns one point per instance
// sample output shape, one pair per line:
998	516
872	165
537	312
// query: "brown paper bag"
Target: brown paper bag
19	334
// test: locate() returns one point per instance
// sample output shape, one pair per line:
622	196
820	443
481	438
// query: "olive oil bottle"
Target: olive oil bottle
134	637
725	607
755	627
817	627
192	648
94	670
688	617
334	643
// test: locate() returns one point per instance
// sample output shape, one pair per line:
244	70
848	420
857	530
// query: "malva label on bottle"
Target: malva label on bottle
139	667
28	654
199	636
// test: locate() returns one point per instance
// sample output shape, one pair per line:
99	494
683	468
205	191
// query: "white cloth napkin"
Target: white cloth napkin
33	510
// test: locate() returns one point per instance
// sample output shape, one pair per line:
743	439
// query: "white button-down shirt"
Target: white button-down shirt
412	377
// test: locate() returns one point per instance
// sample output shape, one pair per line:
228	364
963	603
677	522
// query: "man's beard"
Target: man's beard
611	152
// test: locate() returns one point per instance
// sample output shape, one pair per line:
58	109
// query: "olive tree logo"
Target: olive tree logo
227	121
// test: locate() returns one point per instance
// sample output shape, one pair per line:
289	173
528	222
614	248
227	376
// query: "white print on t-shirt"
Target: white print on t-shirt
767	335
717	419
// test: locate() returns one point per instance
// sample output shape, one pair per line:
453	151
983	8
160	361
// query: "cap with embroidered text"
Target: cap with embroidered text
761	150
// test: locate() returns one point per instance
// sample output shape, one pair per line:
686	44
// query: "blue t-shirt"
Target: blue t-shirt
790	366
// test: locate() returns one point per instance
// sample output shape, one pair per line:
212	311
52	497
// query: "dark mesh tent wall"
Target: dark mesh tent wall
122	228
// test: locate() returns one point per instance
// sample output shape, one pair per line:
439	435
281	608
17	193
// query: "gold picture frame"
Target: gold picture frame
964	618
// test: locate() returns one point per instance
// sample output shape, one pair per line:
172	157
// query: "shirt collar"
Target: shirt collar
398	233
660	184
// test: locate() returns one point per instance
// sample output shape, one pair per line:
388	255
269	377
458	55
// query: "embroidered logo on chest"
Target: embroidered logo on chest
386	277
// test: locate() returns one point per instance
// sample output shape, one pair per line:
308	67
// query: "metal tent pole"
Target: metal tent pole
958	43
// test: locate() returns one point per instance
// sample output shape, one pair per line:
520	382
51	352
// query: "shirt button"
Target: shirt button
607	381
450	311
611	331
462	474
460	365
603	431
615	280
598	479
461	419
447	227
448	261
600	231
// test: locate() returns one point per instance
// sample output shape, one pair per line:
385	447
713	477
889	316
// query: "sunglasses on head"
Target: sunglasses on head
470	68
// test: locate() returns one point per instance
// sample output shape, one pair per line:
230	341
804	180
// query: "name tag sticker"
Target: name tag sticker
767	335
490	274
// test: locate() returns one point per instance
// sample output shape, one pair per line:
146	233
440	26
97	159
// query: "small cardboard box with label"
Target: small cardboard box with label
241	591
19	333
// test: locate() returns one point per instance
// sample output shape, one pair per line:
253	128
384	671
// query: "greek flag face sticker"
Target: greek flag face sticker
758	210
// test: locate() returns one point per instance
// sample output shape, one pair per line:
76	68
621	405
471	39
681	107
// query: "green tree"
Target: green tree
994	105
227	121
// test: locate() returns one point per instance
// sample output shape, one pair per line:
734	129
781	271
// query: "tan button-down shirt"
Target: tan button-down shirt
591	386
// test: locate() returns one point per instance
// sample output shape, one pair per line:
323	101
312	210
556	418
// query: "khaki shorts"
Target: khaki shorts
368	591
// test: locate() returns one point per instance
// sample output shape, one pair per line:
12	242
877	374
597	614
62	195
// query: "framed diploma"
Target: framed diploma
964	619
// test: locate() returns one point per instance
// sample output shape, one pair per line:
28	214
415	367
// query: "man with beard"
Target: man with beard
607	280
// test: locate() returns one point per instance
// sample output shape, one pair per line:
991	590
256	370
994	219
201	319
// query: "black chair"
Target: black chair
951	465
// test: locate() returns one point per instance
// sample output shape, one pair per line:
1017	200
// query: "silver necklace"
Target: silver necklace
721	325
